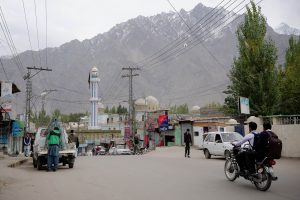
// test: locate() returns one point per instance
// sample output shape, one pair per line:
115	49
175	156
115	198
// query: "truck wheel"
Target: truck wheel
39	164
207	154
71	165
34	163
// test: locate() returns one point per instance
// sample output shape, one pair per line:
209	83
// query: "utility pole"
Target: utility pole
130	102
28	77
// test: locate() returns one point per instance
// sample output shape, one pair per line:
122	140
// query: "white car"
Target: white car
219	143
120	150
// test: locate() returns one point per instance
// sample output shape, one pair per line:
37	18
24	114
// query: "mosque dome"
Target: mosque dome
95	69
195	109
140	102
232	122
101	107
152	103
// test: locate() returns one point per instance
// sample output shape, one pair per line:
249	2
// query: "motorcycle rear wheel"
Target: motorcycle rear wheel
264	185
230	170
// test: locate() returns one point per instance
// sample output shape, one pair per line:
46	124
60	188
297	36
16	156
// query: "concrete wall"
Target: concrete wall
289	135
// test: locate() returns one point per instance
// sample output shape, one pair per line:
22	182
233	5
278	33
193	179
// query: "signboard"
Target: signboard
163	122
6	96
244	105
18	129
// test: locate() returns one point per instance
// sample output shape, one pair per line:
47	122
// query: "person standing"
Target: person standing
187	141
27	144
53	150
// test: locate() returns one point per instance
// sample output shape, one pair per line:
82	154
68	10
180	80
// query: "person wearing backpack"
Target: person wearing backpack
268	144
246	159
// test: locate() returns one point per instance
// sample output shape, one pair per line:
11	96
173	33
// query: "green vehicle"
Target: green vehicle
67	153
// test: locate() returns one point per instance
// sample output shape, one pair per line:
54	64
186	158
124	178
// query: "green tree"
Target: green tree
56	114
290	101
181	109
113	110
253	74
106	110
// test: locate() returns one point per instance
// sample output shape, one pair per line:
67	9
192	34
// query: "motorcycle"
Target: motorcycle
265	174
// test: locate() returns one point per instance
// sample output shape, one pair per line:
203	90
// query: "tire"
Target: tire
34	163
227	154
266	184
207	154
230	170
39	164
71	165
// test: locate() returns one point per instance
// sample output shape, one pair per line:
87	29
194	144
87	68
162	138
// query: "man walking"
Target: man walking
27	145
53	150
187	141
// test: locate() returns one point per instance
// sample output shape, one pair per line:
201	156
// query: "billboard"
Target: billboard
18	129
244	105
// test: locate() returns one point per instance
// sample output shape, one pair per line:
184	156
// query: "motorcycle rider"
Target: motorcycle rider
246	159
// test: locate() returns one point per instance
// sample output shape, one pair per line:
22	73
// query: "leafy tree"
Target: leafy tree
56	114
106	110
290	102
181	109
113	110
253	74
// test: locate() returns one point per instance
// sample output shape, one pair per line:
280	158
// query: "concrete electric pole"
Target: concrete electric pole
28	77
130	75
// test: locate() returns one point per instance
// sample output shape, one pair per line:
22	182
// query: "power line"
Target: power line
28	32
171	52
179	39
10	43
181	51
196	37
46	16
3	69
37	32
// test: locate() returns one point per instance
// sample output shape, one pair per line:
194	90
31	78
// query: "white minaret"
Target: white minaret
94	80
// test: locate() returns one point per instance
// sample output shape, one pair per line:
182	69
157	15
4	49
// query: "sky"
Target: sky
84	19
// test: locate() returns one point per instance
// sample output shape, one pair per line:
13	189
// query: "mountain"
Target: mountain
286	30
173	75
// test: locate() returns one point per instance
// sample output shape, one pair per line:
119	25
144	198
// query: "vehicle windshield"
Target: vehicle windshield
231	137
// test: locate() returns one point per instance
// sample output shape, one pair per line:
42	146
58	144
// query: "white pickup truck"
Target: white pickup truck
67	153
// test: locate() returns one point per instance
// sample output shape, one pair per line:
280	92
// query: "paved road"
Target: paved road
163	174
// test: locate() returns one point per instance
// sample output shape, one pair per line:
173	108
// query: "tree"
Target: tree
56	114
290	101
253	74
181	109
106	110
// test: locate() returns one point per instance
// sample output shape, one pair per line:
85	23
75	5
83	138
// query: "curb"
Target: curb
18	163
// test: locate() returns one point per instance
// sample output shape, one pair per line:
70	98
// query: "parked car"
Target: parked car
100	150
219	143
120	150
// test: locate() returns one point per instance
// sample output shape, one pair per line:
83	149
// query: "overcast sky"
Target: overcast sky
84	19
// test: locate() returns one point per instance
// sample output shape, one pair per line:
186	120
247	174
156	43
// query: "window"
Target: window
211	138
218	138
196	133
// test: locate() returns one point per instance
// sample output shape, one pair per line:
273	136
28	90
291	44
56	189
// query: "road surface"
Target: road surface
162	174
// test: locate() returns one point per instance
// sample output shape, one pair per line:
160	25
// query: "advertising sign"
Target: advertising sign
18	129
244	105
6	92
163	122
